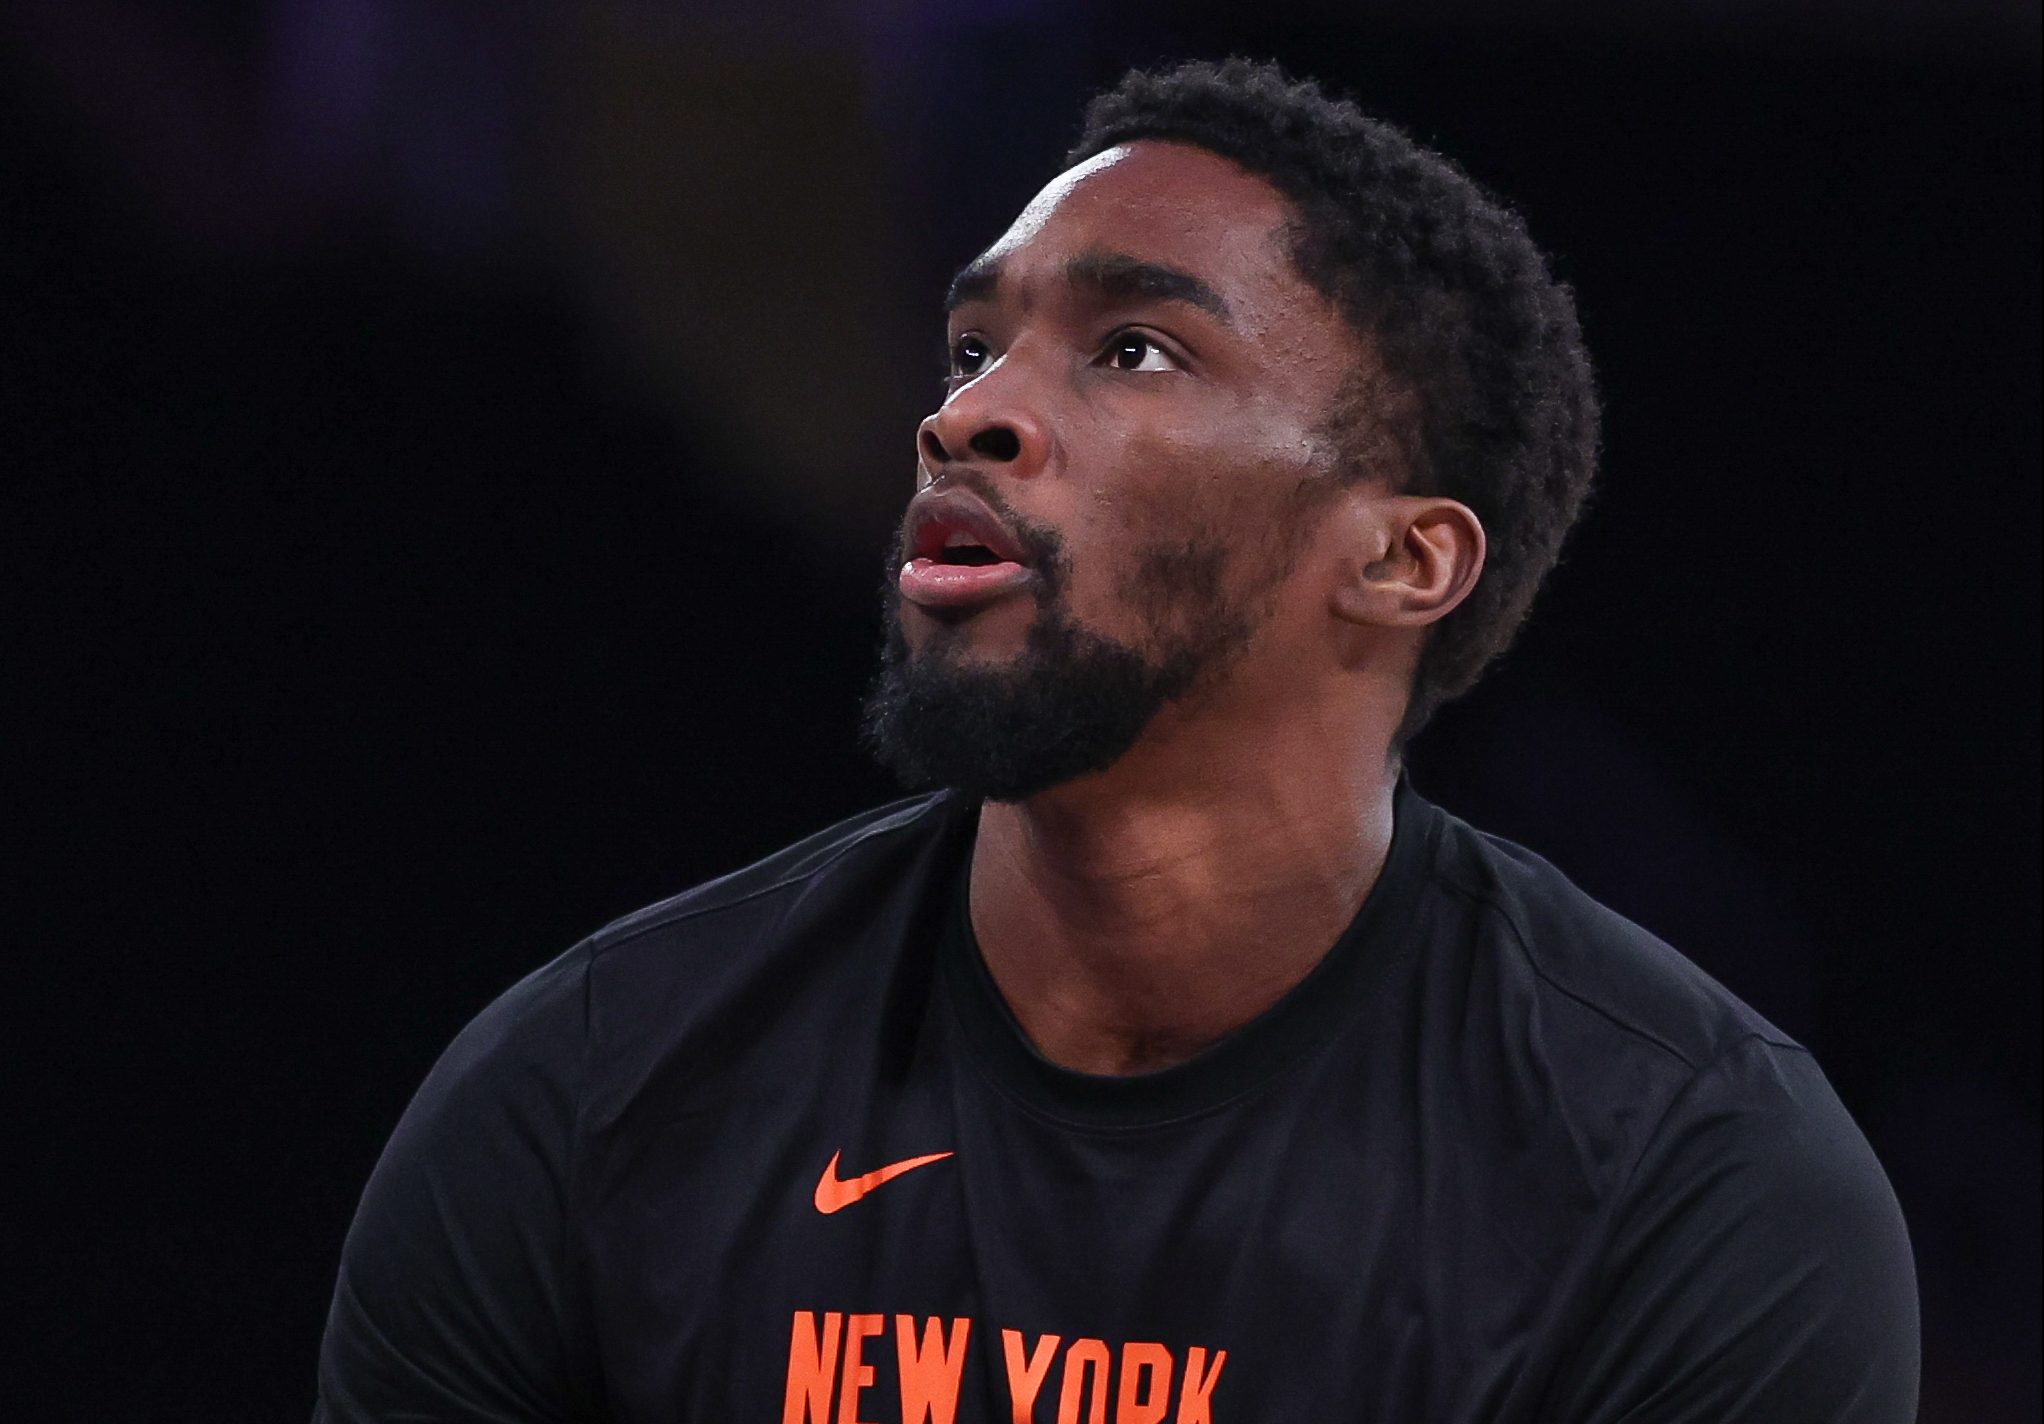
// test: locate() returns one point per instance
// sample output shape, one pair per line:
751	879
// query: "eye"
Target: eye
1133	351
969	356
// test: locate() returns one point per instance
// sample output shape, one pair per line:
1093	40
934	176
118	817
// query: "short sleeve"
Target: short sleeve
1758	1268
454	1300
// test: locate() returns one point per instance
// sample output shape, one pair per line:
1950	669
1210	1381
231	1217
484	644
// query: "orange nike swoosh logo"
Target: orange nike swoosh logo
833	1193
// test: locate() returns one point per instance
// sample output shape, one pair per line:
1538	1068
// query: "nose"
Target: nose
990	421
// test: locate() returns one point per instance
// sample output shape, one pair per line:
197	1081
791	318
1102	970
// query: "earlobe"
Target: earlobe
1420	556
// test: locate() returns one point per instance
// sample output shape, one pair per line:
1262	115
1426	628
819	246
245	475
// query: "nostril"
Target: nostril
933	448
997	443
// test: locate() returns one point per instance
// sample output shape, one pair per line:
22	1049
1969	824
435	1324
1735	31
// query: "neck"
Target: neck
1133	917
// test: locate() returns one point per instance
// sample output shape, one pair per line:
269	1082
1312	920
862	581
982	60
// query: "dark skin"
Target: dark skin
1133	916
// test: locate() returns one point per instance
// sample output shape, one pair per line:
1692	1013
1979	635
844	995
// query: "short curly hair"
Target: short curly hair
1485	393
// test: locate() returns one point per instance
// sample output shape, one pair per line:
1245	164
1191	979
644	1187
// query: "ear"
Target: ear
1414	558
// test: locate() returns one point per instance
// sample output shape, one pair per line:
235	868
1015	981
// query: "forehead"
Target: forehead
1168	203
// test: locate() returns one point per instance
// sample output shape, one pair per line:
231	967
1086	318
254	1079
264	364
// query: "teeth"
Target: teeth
958	539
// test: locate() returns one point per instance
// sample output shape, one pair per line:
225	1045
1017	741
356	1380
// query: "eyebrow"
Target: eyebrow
1111	276
975	282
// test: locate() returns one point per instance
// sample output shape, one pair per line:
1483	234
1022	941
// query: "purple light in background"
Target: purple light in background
327	75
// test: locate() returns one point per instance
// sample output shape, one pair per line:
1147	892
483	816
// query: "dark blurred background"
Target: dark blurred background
448	449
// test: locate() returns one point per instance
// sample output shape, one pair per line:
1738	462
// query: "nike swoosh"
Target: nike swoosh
833	1193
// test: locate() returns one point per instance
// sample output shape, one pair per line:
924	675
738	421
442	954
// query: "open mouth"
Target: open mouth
964	537
968	555
960	555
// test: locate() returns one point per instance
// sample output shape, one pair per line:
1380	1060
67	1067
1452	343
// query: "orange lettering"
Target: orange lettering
858	1374
1196	1405
930	1374
1145	1384
811	1365
1025	1378
1085	1362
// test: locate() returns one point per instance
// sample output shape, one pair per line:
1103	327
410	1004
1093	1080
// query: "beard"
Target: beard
1073	701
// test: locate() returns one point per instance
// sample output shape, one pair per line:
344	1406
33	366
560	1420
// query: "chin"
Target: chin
981	635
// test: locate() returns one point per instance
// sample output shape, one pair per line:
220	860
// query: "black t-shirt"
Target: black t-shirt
776	1150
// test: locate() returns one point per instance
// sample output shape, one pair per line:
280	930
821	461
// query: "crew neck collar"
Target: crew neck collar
1302	1019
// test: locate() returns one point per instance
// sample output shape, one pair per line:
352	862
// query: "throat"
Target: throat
1139	959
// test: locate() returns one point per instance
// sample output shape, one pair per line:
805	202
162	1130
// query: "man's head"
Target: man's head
1240	397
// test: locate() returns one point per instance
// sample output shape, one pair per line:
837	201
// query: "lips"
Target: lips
960	554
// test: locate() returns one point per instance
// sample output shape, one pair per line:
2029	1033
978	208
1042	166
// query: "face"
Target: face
1115	495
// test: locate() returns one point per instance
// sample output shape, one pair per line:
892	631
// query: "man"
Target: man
1176	1062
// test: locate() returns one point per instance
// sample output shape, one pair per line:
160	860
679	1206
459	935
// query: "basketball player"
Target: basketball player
1171	1059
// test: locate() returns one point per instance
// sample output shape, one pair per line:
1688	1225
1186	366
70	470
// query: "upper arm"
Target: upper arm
455	1300
1758	1268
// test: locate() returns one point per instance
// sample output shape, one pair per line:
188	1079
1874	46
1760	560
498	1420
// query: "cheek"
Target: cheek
1161	479
1233	482
1182	524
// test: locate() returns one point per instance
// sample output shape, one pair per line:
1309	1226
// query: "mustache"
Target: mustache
1041	544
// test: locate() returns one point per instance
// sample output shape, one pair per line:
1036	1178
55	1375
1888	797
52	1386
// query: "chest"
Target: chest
881	1246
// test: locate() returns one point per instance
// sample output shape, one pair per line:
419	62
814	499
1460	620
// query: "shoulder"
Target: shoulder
1598	1023
1757	1265
551	1006
1627	1028
1747	1232
657	973
1594	969
861	850
741	986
